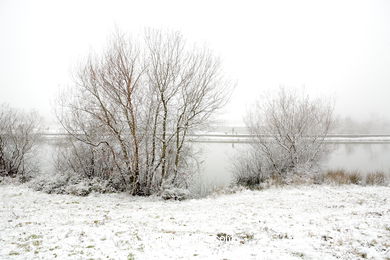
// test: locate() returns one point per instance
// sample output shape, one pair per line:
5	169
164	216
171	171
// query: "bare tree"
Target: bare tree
140	101
188	87
18	137
289	130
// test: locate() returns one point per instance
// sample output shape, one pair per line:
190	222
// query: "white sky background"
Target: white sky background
334	48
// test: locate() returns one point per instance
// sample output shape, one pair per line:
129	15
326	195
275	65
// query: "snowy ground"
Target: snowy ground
310	222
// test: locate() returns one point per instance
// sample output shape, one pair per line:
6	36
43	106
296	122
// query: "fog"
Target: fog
134	165
339	49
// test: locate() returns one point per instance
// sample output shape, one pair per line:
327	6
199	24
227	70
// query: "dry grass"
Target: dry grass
355	177
337	177
276	180
341	177
375	178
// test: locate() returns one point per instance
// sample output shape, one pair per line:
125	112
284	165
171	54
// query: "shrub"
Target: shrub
18	138
288	132
355	177
172	193
250	181
248	170
84	168
319	178
9	180
73	184
55	184
80	189
337	177
375	178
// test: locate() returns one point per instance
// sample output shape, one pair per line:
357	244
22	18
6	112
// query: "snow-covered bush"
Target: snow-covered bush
249	169
104	186
79	170
18	138
52	184
92	166
173	193
79	189
75	158
288	132
73	184
9	180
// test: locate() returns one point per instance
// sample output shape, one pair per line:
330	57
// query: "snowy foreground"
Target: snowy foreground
310	222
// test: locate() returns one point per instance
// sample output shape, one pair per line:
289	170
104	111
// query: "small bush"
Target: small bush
375	178
248	169
319	178
80	189
276	180
355	177
74	185
18	140
130	256
172	193
337	177
55	184
249	181
10	180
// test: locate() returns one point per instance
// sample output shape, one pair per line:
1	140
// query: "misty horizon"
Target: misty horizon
335	49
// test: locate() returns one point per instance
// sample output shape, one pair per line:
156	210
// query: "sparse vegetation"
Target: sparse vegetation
331	177
355	177
13	253
339	177
342	177
130	257
375	178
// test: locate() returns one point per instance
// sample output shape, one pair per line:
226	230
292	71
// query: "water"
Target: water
361	157
216	159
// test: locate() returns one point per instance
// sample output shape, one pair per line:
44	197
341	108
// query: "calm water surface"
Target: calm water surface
216	158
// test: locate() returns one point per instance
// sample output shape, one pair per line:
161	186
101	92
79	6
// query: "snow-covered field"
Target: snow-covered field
309	222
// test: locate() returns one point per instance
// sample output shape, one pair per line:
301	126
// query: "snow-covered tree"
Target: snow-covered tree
138	102
289	130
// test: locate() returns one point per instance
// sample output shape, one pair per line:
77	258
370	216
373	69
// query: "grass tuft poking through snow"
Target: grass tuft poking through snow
303	222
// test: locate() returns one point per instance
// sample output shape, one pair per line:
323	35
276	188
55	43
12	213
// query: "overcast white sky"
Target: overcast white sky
335	48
